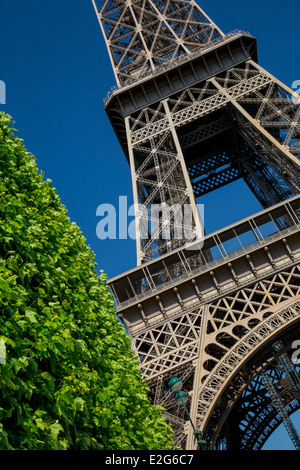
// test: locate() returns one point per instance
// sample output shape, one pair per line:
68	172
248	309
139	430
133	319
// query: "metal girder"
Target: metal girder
205	132
264	184
288	367
169	184
155	131
158	165
256	412
216	180
234	98
211	163
285	169
142	35
200	108
281	410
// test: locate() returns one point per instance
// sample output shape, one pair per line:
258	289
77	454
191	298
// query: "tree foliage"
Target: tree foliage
70	380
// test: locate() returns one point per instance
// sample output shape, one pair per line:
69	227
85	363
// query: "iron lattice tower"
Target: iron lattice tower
193	111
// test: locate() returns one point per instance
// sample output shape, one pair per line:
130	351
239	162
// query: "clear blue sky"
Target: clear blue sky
57	71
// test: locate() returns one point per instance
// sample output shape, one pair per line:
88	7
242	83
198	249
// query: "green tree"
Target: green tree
70	380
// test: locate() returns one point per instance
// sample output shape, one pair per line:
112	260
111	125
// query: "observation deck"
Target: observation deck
227	260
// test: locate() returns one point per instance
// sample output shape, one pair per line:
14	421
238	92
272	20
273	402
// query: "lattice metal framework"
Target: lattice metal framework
256	415
276	399
206	346
259	125
142	35
193	112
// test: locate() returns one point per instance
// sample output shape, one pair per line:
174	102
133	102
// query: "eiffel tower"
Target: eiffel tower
194	111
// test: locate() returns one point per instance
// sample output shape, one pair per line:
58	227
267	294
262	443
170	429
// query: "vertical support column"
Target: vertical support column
191	443
198	223
135	193
273	142
286	365
278	82
163	195
281	410
155	31
110	53
293	378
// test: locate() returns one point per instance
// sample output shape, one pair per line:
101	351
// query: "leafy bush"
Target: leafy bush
71	380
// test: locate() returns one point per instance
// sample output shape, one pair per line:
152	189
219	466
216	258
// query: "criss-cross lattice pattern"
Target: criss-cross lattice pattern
258	124
160	182
234	326
255	414
142	35
169	344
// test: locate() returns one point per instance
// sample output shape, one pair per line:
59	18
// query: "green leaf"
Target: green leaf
4	286
55	429
79	403
46	376
31	315
7	340
41	424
